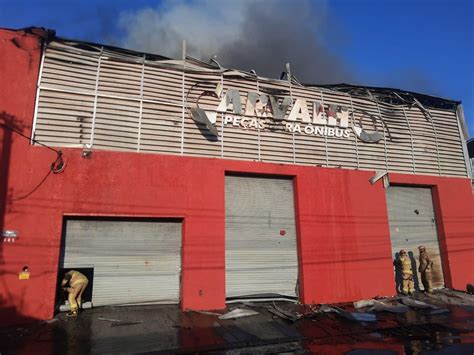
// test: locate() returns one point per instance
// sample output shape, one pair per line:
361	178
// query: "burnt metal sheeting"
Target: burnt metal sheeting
368	137
389	95
393	96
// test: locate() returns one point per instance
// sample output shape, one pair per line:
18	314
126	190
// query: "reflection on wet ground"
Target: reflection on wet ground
165	329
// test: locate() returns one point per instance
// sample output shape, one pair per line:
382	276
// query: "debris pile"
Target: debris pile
362	311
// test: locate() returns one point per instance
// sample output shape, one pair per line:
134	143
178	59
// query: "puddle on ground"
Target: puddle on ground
165	329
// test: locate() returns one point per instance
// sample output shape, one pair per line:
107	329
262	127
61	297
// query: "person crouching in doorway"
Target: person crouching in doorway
77	285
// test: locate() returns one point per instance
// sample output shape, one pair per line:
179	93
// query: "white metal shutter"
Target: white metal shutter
412	223
259	258
135	262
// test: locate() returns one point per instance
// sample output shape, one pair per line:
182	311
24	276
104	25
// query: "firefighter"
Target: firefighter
426	269
77	285
403	263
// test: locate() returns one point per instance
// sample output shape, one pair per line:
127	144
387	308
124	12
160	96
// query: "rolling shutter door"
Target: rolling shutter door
261	256
135	262
412	223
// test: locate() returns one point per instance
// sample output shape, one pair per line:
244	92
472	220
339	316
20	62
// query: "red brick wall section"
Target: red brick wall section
343	242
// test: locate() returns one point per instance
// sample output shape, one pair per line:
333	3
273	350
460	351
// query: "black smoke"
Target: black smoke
259	35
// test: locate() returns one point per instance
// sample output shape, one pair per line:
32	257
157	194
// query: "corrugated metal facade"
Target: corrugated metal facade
412	223
261	256
134	262
94	97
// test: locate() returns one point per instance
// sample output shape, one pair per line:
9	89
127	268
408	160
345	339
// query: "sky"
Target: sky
425	46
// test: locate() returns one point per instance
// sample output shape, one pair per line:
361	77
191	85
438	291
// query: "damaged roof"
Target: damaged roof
388	95
393	96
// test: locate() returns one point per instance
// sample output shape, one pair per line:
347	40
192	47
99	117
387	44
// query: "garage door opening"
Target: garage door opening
261	250
133	261
412	223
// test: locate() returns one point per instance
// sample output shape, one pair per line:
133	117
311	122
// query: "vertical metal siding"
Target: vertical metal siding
135	262
259	259
412	223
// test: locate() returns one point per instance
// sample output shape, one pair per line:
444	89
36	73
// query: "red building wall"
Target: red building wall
343	233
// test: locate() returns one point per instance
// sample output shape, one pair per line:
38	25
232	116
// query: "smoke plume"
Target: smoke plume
247	34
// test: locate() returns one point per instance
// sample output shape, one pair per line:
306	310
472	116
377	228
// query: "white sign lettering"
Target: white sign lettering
304	117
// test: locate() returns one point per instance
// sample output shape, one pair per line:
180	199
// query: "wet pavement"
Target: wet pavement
164	329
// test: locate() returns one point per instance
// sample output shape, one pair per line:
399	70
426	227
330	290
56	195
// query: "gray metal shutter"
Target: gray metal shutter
135	262
261	256
412	223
